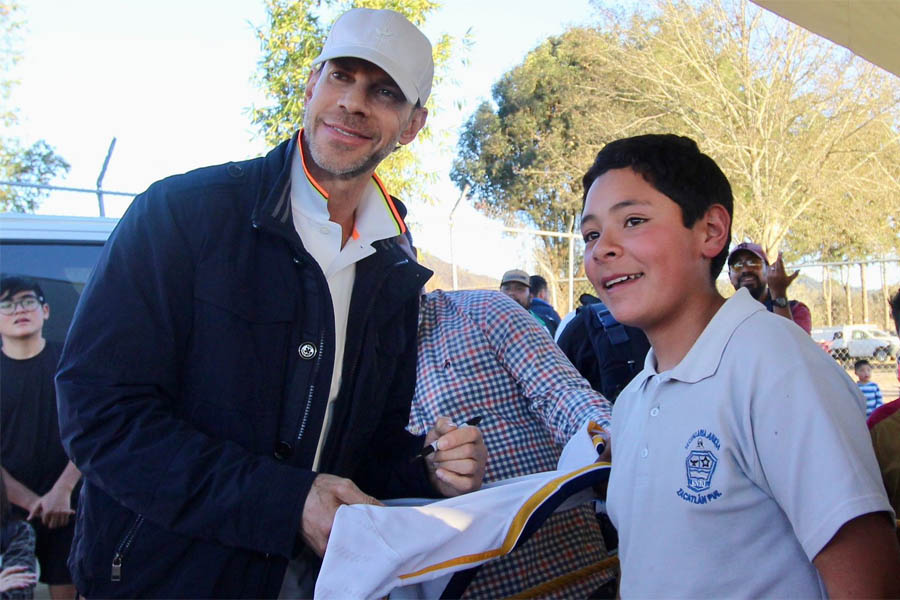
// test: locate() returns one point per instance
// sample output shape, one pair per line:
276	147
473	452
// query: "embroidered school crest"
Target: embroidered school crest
700	468
700	465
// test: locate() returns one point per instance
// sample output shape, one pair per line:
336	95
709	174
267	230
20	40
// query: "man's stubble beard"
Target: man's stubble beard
363	166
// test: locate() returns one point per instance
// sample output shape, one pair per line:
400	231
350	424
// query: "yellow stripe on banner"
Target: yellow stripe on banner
515	530
549	587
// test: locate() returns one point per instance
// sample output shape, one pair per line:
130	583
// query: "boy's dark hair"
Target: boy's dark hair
538	284
861	363
674	166
10	285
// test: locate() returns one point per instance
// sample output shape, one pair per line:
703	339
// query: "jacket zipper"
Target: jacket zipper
123	547
312	387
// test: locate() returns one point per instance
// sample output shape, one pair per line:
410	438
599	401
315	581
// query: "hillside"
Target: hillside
443	276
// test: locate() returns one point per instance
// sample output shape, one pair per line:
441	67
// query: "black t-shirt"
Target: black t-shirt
30	448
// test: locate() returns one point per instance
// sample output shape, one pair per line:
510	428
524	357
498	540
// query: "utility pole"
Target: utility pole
109	152
462	195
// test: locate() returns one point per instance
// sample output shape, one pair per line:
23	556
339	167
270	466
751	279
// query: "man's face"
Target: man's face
518	292
642	260
749	271
27	315
355	116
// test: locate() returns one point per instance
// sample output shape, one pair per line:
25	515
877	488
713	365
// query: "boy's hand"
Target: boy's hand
777	279
458	465
53	508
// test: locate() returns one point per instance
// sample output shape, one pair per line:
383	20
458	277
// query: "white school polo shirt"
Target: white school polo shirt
376	219
733	469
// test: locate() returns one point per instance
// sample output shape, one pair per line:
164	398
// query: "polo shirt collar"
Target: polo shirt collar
377	217
703	359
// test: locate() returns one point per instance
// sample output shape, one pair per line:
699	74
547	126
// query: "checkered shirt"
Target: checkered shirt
481	354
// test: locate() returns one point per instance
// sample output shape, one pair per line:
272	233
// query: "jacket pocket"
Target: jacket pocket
238	347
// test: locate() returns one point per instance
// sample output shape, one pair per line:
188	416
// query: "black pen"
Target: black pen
432	447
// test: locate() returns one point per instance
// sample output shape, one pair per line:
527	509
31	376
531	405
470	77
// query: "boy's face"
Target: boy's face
642	260
864	373
26	315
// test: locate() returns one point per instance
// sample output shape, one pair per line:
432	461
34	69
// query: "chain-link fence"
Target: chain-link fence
848	300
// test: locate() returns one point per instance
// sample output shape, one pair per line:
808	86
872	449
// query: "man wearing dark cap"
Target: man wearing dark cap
243	359
748	267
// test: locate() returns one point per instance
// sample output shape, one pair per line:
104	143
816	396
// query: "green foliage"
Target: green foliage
806	133
291	40
37	163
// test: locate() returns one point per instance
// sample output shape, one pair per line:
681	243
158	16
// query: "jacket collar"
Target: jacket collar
272	209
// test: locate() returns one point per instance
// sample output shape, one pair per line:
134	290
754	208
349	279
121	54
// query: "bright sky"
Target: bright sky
170	79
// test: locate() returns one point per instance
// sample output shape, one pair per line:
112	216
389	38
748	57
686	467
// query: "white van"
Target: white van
59	253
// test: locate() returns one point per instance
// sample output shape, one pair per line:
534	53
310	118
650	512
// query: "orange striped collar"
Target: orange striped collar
397	225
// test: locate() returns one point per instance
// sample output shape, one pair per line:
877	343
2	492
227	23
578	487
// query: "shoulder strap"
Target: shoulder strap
614	329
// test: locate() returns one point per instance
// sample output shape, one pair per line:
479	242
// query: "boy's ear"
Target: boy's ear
715	231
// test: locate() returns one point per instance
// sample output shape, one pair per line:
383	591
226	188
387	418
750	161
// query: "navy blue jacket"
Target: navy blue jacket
547	313
194	379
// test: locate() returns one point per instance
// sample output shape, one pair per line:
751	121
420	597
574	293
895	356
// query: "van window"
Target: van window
61	268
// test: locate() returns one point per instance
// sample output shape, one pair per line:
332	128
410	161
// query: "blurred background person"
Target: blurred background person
41	481
17	561
748	267
540	303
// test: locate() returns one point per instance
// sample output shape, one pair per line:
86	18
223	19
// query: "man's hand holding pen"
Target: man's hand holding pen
457	465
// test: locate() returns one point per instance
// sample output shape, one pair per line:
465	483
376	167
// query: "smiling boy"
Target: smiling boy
741	461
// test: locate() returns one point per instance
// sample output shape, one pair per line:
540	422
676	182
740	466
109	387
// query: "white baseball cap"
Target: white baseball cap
387	39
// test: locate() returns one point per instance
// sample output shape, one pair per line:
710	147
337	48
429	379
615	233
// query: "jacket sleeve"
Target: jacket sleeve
557	393
121	419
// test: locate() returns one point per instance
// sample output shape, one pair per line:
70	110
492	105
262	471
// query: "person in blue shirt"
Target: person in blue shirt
869	388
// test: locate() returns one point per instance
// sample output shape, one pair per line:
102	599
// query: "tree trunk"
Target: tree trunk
826	292
849	296
885	304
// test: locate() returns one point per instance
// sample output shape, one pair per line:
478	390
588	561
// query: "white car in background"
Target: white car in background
57	252
853	342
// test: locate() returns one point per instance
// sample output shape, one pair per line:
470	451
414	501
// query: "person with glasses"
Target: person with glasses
40	479
749	268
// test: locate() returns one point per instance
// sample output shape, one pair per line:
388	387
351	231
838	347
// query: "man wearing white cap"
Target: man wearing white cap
244	355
